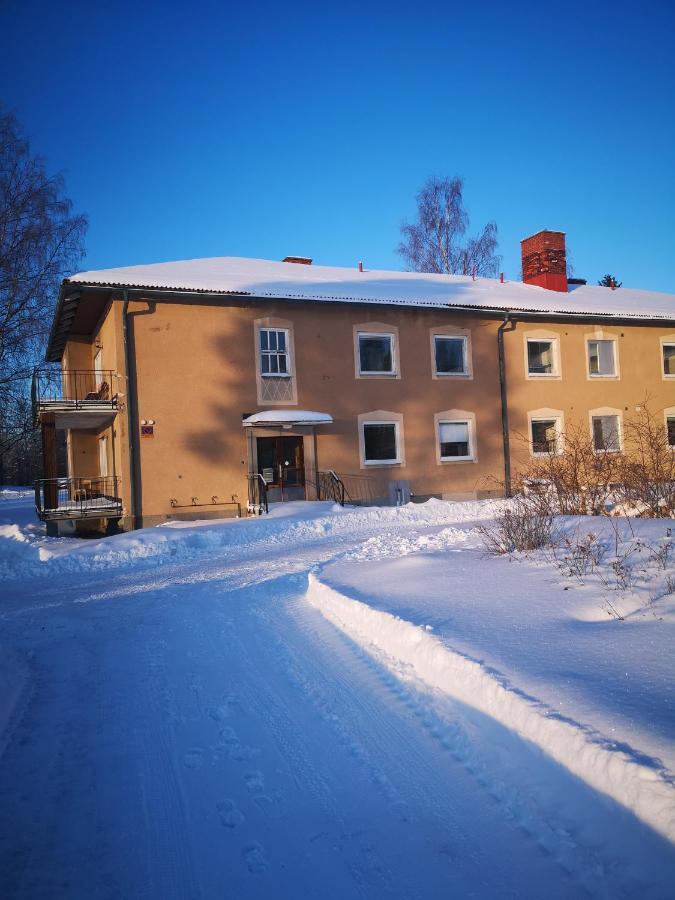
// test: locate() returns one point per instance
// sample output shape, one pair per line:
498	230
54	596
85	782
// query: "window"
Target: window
98	368
601	358
380	443
450	355
670	430
668	359
103	457
541	358
274	352
455	440
376	354
606	433
545	436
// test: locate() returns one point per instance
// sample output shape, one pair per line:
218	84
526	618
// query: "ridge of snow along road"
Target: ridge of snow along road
25	554
412	653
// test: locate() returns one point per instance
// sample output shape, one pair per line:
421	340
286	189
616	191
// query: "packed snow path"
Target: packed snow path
200	730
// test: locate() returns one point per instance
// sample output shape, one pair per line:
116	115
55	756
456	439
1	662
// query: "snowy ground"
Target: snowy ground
327	702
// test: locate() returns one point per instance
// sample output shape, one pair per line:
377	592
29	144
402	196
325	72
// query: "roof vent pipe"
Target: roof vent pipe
360	266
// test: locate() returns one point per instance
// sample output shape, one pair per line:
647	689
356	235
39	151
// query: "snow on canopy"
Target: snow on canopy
288	417
267	278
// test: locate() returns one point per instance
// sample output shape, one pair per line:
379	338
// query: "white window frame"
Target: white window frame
615	357
394	360
555	364
665	375
558	435
465	372
397	437
268	353
606	414
470	457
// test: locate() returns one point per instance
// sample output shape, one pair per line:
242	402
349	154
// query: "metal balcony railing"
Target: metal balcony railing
69	389
97	497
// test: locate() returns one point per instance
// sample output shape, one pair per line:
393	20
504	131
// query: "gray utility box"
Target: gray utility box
399	493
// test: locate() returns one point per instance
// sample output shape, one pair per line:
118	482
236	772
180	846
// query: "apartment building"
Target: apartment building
213	387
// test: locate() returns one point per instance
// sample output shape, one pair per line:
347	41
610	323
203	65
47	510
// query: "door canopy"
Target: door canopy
288	418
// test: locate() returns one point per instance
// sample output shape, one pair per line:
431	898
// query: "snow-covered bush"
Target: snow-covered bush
523	525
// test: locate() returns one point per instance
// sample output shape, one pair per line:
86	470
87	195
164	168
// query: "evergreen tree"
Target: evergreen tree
610	282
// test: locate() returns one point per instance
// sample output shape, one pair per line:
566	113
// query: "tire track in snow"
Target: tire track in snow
355	696
416	658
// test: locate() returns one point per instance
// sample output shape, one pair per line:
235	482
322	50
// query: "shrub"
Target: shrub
522	526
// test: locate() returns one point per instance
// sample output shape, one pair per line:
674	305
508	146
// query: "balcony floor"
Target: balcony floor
79	414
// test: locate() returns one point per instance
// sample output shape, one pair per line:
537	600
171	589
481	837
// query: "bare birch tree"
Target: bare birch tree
41	241
437	243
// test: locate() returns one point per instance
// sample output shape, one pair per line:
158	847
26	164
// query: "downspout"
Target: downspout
504	404
132	417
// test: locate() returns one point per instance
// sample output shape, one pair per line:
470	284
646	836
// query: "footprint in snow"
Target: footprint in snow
230	814
193	759
256	861
255	781
272	806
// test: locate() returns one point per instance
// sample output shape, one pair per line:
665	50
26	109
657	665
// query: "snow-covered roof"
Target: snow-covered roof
266	278
288	417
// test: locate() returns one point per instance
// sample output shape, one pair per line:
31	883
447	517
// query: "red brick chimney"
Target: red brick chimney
300	260
544	260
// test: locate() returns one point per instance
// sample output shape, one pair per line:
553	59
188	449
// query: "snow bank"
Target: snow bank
25	556
411	651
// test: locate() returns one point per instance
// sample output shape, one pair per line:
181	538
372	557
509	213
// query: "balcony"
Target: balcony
97	497
78	398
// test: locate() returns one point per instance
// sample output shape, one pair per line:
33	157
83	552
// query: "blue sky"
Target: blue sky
213	128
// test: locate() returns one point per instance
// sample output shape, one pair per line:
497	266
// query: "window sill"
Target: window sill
275	375
381	462
444	460
543	375
378	374
466	375
593	377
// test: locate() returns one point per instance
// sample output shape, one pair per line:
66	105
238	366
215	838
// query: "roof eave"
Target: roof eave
72	290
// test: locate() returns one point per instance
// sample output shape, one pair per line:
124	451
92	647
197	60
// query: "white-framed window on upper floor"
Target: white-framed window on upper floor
542	357
602	358
376	353
274	352
606	431
450	355
668	359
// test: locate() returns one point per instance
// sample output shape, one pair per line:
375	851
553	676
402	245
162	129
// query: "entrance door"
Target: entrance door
281	462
